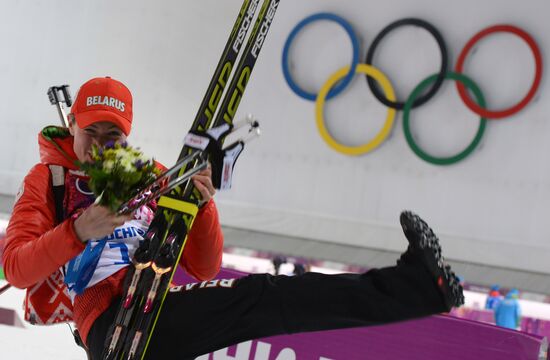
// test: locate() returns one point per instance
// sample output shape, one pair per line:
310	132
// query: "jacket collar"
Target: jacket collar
56	147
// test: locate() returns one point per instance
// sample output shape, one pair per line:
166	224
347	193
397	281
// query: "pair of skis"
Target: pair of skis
148	279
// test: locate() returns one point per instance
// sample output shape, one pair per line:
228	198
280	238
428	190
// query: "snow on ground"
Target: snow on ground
34	342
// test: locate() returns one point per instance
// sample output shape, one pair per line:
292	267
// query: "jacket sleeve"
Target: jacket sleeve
35	247
202	256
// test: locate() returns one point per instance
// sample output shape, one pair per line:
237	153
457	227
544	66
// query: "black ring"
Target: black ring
440	76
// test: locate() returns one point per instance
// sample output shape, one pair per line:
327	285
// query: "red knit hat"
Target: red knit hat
104	99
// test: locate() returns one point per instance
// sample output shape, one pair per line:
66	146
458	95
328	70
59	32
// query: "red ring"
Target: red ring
536	81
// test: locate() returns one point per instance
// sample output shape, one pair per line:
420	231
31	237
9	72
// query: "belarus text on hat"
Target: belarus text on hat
103	99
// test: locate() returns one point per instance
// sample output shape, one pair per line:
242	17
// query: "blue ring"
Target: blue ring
355	59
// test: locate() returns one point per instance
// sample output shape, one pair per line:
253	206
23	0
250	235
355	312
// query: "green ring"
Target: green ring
469	83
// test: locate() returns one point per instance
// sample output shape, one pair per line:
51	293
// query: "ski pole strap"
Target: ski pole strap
222	160
230	156
208	140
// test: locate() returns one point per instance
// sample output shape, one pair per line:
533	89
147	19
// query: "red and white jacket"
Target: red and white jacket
36	248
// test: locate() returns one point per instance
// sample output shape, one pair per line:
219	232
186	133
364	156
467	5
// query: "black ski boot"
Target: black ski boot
424	246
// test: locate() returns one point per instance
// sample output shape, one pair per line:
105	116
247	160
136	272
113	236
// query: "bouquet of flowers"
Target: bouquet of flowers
117	173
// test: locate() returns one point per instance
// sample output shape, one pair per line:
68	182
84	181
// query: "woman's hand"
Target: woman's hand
203	183
98	221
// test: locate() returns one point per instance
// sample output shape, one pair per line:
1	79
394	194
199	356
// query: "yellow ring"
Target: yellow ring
320	104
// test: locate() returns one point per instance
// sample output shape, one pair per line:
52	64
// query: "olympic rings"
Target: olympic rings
319	110
440	76
480	110
420	95
354	60
409	104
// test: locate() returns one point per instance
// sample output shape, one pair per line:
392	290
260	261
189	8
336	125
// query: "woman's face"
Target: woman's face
97	134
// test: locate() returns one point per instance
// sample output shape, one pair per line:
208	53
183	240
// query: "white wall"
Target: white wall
490	208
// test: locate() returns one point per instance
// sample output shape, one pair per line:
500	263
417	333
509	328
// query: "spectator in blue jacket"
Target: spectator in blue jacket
493	298
508	312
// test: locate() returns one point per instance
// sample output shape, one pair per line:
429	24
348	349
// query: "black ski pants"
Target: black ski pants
204	317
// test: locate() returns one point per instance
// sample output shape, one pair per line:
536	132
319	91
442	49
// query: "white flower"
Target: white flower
127	164
108	165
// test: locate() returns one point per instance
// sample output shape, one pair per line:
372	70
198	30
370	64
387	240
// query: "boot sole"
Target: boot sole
425	244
